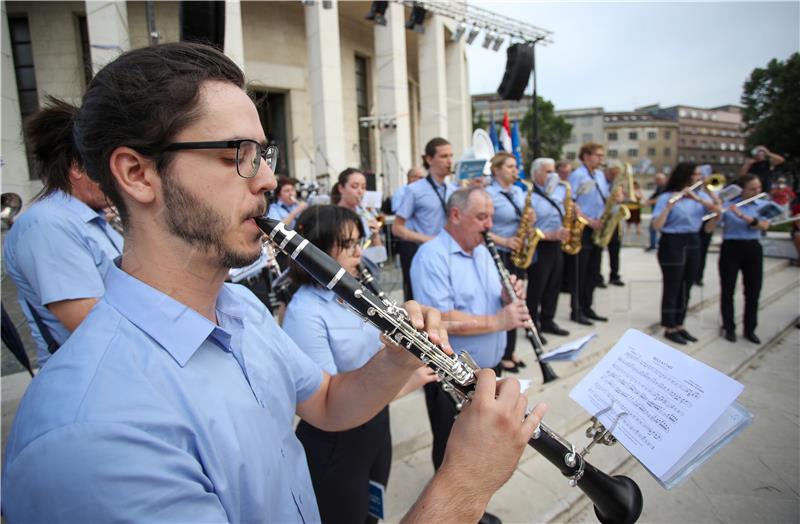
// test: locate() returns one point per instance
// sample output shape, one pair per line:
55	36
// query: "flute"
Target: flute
675	198
616	499
531	333
737	204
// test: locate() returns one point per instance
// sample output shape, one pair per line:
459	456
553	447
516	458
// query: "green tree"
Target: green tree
478	121
554	131
771	101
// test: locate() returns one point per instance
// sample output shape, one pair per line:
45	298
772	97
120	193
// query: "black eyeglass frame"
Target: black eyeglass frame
268	153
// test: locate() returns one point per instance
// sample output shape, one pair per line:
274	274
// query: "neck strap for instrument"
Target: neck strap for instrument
429	178
516	207
552	202
596	185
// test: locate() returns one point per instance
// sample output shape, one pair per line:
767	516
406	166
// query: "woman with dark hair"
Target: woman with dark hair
342	464
678	214
348	192
741	251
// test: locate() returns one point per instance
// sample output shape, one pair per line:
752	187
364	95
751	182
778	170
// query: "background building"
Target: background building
647	143
587	126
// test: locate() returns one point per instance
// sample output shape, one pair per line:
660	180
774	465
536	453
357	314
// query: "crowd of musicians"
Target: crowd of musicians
165	394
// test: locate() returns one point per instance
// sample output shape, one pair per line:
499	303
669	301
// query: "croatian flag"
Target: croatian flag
505	135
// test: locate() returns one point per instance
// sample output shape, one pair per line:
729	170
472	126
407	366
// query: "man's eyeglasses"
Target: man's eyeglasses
248	153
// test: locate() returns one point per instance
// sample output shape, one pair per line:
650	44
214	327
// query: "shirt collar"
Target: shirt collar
179	329
86	213
452	246
324	293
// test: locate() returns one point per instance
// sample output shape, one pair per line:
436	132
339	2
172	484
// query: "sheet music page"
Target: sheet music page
670	398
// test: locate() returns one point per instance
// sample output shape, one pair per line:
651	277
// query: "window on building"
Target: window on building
633	135
612	153
667	151
723	146
86	53
612	136
651	135
362	107
633	153
271	107
651	151
22	51
680	158
587	120
587	137
573	139
570	155
723	160
667	134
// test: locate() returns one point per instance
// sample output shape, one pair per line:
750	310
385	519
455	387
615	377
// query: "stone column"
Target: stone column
459	104
234	41
432	80
392	81
325	86
108	31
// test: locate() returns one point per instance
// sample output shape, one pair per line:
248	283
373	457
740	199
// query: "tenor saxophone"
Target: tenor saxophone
528	235
572	223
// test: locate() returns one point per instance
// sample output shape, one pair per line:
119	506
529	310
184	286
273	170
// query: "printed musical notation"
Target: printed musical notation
661	400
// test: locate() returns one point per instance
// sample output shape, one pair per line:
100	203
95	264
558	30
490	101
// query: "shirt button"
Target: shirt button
282	453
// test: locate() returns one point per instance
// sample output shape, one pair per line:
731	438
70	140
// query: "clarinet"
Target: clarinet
616	499
531	334
370	283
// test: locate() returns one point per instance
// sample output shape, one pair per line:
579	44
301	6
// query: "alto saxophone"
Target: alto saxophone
572	223
614	212
528	235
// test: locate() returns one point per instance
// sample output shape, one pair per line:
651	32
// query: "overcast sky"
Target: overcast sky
626	54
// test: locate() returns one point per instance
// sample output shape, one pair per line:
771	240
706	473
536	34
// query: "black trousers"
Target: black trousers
587	273
544	282
745	256
343	462
406	250
679	258
511	335
705	241
613	255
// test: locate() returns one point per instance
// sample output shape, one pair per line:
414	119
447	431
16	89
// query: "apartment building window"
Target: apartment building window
667	151
362	106
612	153
667	134
633	153
86	53
651	151
587	137
22	51
612	136
570	155
633	135
651	135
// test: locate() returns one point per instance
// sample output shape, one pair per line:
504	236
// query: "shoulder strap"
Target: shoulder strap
516	207
552	202
429	178
52	345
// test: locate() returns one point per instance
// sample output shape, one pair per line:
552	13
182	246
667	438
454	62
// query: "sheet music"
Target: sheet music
569	351
669	400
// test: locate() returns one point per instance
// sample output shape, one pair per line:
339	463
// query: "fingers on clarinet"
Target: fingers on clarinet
507	389
535	417
415	314
487	384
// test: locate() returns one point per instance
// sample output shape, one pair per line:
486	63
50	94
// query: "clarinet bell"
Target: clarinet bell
624	506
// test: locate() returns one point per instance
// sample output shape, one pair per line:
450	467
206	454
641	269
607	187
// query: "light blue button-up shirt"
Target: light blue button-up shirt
397	197
279	211
152	413
686	216
447	278
422	209
59	249
548	217
505	220
591	202
333	336
734	228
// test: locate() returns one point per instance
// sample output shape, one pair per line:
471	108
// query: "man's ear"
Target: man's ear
135	174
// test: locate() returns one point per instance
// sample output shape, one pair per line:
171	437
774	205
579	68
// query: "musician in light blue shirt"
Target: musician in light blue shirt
286	207
741	250
59	249
455	274
678	214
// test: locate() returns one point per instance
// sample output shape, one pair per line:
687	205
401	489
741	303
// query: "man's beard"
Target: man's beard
200	225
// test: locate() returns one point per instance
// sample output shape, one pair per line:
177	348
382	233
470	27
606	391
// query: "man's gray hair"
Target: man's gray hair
460	199
540	163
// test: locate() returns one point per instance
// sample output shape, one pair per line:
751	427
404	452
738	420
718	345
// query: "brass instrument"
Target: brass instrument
10	204
614	212
528	235
737	204
572	223
714	183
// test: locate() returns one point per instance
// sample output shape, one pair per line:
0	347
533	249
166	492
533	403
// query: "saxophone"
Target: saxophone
529	235
572	223
614	212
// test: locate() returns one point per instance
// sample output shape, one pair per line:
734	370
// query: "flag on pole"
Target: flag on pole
505	135
493	135
517	149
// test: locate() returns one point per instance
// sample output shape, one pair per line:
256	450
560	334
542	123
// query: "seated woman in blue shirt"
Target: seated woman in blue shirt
342	464
741	251
678	215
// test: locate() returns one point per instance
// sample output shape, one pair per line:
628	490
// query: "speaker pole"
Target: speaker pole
537	146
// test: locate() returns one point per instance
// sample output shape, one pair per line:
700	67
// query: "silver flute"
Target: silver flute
616	499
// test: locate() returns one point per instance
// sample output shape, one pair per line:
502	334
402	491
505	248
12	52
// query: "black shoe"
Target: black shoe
520	364
675	337
601	285
589	313
617	282
685	334
552	327
649	249
581	319
488	518
730	335
752	337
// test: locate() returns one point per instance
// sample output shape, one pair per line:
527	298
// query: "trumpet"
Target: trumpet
616	499
738	204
